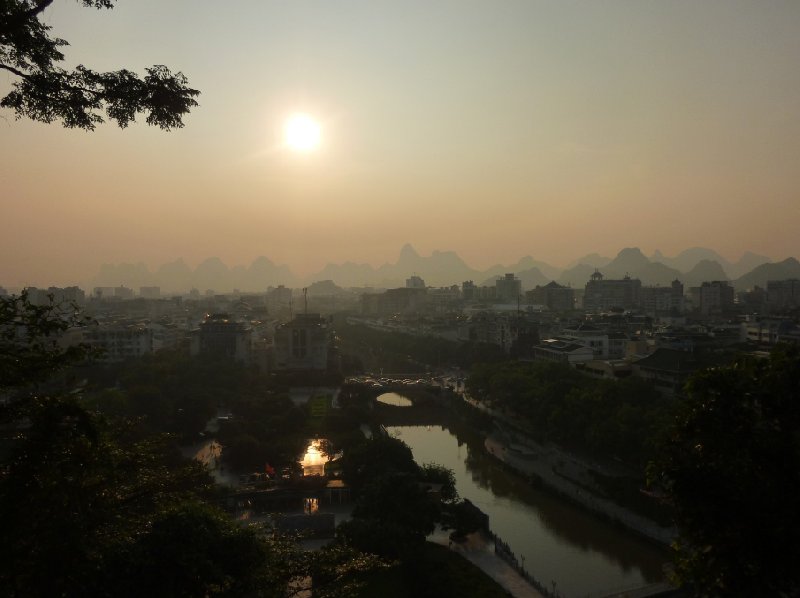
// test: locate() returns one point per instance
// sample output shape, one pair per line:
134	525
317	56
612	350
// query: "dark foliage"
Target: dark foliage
376	457
29	340
46	92
616	418
91	507
732	468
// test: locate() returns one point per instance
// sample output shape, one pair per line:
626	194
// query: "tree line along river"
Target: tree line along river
555	541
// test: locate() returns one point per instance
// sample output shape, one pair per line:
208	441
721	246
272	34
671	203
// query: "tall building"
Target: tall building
61	296
658	301
553	295
713	297
279	296
782	294
602	294
302	344
415	282
150	292
468	290
509	288
219	335
120	342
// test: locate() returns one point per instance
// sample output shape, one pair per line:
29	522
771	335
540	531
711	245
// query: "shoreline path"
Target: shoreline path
478	549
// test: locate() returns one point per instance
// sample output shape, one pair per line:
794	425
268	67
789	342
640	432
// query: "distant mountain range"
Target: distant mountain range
444	268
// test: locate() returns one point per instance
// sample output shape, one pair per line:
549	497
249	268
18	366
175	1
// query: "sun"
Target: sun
301	133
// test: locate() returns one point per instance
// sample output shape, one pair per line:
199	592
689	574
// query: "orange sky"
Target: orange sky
496	130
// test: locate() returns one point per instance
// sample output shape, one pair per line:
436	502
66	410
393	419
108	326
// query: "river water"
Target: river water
557	542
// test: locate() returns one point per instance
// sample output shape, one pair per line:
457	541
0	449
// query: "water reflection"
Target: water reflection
394	399
582	553
314	459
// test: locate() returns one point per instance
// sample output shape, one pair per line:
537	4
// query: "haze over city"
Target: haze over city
496	131
399	299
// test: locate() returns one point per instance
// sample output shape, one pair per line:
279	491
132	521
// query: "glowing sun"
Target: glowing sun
301	133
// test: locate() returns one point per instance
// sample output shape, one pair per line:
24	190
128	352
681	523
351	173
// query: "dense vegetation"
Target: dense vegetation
731	467
375	350
433	571
394	512
617	418
94	504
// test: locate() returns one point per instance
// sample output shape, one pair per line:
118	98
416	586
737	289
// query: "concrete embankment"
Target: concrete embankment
547	465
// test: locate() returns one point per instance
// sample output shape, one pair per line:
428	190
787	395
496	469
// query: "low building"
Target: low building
394	301
591	336
60	296
613	369
563	350
150	292
667	369
769	331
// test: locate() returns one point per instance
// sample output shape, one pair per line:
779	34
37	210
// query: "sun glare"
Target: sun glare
301	133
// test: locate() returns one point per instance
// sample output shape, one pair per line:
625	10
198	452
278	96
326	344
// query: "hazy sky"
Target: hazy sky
496	129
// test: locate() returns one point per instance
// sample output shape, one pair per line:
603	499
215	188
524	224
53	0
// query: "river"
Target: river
557	542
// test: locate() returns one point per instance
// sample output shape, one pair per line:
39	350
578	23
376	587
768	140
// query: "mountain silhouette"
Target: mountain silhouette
445	268
788	268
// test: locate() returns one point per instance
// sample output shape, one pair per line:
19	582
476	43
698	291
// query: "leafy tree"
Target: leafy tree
29	335
376	457
46	92
439	474
618	418
392	517
91	508
731	466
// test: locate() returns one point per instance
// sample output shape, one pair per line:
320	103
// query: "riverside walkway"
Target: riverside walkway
478	549
558	470
561	471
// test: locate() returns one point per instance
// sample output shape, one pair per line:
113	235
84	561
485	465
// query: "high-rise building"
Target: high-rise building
415	282
663	300
602	294
552	295
509	288
302	344
713	297
782	294
222	336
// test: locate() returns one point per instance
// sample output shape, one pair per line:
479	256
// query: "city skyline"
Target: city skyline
545	129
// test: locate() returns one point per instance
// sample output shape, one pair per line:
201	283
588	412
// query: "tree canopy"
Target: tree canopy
47	92
731	466
615	418
92	507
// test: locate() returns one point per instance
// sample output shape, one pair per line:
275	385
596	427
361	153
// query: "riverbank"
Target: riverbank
562	473
479	549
